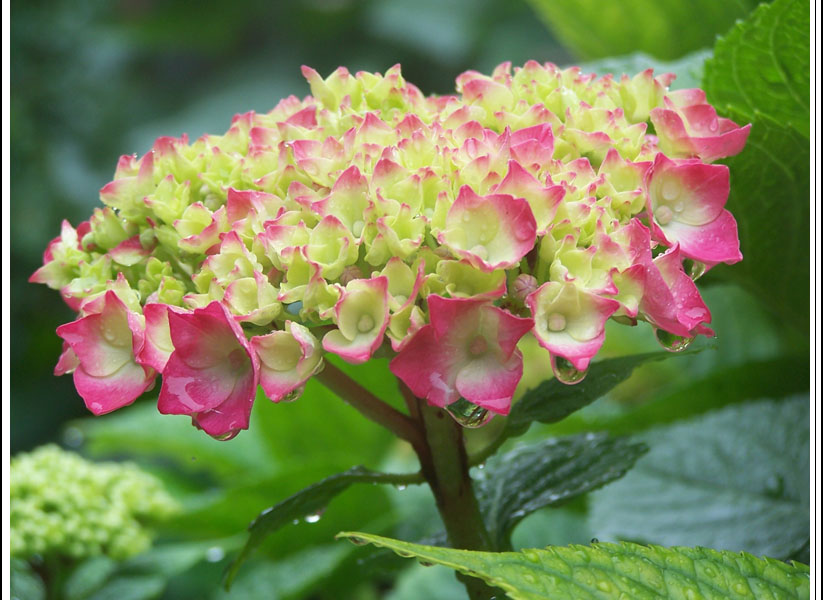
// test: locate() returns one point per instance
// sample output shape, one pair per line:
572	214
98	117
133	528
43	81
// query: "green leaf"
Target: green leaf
25	583
762	66
138	587
616	571
689	69
722	387
515	484
305	503
735	479
88	577
552	401
760	74
770	201
666	29
290	577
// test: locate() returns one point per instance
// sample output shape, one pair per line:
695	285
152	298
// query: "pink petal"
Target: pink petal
104	394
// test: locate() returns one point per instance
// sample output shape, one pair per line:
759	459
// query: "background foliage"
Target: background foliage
93	79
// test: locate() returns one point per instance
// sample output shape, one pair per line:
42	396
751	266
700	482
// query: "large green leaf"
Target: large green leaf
618	571
762	66
521	481
735	479
666	29
307	503
770	201
760	74
132	587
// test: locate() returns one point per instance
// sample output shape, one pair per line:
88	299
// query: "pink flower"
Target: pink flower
287	359
212	373
468	350
671	300
686	199
362	315
491	232
104	344
689	127
570	321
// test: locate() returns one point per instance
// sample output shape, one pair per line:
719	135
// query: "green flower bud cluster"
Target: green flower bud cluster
64	505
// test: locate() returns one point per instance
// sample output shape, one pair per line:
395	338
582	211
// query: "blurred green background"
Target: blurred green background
94	79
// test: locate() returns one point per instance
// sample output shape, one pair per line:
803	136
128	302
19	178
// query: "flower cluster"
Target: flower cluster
368	218
63	505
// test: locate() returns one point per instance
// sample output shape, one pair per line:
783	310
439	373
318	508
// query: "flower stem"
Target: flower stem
445	466
370	405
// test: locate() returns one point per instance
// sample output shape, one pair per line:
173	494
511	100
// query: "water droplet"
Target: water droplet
400	298
530	578
312	518
594	541
523	232
400	487
556	322
467	414
671	342
466	217
678	208
357	228
109	334
295	521
358	541
664	215
694	268
604	586
365	323
215	554
225	437
294	394
742	589
73	437
531	556
565	372
424	563
671	190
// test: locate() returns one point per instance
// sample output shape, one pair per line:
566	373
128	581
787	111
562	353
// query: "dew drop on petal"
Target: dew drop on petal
365	323
671	190
565	372
294	394
357	228
466	217
664	215
671	342
694	268
469	415
225	437
556	322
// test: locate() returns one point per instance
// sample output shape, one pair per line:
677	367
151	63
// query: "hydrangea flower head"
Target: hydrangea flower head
64	506
368	219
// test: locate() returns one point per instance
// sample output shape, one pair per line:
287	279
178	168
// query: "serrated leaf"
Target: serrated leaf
760	74
666	29
618	571
770	201
688	69
530	477
552	401
137	587
734	479
762	66
309	501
